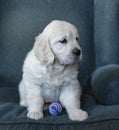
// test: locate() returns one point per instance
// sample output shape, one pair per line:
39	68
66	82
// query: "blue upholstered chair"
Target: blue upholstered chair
98	24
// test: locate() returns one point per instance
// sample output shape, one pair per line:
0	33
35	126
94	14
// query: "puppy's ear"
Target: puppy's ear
42	50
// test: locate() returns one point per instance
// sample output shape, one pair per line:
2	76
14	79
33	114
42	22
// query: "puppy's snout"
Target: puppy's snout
76	51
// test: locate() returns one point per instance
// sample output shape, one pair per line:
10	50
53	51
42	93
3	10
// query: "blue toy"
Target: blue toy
55	108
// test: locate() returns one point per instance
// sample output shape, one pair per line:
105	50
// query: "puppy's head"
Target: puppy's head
58	41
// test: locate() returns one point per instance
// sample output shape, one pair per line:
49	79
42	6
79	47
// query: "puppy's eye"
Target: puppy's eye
77	39
64	41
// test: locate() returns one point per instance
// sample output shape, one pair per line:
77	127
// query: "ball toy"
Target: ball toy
55	108
46	105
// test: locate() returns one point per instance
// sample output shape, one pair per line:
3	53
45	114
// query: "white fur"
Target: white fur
50	72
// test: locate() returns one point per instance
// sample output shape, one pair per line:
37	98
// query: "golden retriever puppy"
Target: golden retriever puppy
50	72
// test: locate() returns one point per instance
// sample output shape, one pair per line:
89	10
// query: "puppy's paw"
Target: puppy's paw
23	103
35	115
78	115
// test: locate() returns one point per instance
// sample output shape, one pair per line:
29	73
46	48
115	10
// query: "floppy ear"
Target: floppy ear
42	50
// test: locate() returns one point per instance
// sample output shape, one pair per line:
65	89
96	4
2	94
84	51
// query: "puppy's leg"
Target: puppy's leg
34	101
22	94
70	99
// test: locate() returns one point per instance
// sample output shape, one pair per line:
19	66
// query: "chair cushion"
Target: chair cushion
105	84
13	116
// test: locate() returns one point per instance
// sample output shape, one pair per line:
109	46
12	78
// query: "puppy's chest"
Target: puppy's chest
53	77
51	82
51	87
54	80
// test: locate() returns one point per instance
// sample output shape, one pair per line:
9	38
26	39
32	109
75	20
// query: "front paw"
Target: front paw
35	115
78	115
23	103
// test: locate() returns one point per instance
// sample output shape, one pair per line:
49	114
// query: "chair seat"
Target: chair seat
12	115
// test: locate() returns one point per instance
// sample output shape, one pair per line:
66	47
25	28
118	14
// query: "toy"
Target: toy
55	108
46	105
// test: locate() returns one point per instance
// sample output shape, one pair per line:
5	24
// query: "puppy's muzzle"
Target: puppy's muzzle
76	51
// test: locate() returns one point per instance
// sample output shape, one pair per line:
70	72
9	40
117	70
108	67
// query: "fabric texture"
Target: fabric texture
105	85
98	25
13	116
106	32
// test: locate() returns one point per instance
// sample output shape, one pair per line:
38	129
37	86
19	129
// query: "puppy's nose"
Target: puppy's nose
76	51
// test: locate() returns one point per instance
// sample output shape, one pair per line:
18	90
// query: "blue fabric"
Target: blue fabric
13	116
105	85
106	32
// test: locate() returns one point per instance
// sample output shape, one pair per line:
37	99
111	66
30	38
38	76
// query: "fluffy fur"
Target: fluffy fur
50	72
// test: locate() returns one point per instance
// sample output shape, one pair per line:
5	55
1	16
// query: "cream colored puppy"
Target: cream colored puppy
50	72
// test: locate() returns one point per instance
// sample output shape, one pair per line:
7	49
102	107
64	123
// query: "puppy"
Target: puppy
50	72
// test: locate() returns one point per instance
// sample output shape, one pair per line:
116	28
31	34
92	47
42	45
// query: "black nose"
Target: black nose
76	51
